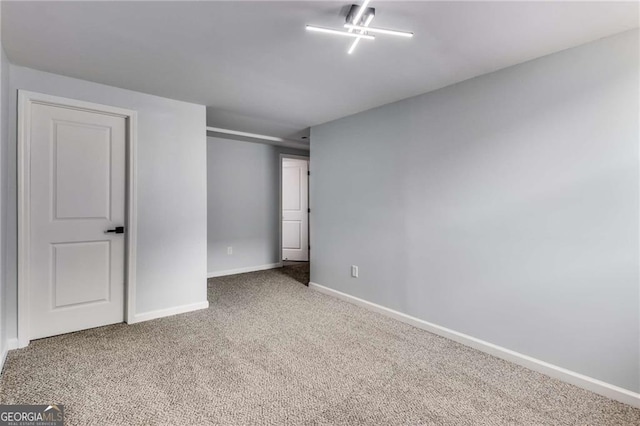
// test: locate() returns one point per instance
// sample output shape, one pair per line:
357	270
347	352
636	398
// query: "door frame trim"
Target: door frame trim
25	100
293	157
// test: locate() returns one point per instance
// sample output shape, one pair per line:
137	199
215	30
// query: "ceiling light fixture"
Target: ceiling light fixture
356	41
378	30
353	46
360	12
340	33
357	25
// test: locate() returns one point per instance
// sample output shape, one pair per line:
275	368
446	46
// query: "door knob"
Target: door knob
116	230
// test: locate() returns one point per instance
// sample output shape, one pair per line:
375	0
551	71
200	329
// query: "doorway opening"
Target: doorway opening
294	216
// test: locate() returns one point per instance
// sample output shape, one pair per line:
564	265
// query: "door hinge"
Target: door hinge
308	172
308	210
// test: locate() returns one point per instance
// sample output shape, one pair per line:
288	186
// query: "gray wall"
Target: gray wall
504	207
243	197
171	185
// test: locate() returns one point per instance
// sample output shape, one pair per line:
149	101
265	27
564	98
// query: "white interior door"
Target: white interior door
295	205
77	193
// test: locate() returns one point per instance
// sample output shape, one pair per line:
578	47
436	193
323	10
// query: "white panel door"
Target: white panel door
76	270
295	204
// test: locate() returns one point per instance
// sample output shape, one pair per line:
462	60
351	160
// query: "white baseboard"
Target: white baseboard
244	270
161	313
568	376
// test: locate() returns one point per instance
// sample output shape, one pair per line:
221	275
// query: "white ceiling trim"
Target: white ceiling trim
254	137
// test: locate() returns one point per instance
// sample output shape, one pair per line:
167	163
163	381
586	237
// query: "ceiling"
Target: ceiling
258	70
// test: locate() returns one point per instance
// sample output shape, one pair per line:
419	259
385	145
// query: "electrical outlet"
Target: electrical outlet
354	271
229	250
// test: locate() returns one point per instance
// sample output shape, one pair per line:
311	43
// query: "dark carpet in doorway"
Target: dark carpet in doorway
299	271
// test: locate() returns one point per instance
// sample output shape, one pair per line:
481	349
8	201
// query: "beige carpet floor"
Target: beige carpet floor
271	351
